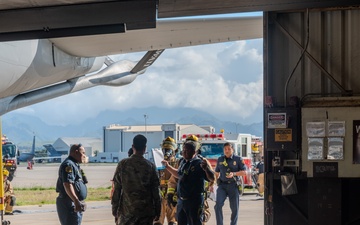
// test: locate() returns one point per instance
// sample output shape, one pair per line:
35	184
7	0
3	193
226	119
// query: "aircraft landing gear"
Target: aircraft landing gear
5	222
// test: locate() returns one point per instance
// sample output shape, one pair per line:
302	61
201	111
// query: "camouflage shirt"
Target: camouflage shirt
136	189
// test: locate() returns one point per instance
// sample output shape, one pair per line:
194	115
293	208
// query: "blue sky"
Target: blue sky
225	80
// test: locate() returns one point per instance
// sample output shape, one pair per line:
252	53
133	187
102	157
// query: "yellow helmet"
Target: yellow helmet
5	172
169	143
194	139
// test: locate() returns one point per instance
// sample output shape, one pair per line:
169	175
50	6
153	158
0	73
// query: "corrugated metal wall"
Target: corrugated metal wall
330	65
311	54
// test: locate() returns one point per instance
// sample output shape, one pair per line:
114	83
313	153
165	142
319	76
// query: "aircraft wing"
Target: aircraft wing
171	33
38	70
46	157
32	157
25	157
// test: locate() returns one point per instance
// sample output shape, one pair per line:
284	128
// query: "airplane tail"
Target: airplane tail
50	148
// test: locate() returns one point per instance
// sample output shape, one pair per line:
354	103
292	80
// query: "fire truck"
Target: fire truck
10	153
212	148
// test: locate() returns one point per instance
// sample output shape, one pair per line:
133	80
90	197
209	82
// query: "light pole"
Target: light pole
145	117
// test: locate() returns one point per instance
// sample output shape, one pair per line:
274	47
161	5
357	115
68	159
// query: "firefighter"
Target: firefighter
260	180
192	174
172	185
172	198
169	210
9	197
208	185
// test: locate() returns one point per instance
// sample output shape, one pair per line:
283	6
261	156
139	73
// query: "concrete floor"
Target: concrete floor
251	206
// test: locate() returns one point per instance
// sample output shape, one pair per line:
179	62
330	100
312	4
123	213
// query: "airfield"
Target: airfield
99	175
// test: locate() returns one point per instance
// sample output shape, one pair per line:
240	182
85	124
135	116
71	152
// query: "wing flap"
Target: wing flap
167	34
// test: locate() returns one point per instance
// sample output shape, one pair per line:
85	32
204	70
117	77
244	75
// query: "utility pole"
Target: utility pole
145	117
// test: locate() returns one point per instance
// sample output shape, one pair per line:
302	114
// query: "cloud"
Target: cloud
224	80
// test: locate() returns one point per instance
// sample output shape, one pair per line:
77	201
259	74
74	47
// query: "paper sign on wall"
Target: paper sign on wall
315	129
315	148
336	128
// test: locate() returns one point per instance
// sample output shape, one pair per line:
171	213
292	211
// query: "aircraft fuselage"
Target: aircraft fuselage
28	65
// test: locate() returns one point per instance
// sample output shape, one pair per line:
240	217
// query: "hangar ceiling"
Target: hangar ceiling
96	17
34	19
177	8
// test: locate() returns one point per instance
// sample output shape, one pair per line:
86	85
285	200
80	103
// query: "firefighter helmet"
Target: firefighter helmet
169	143
5	172
192	138
195	140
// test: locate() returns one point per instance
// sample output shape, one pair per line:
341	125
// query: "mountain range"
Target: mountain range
20	128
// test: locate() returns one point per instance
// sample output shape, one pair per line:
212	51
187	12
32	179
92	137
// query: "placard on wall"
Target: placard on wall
338	142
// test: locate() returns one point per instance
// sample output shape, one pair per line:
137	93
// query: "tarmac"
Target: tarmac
251	206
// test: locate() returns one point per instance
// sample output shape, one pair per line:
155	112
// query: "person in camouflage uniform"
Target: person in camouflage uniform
136	198
169	210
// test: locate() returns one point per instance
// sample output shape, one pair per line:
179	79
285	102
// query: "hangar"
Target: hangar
311	89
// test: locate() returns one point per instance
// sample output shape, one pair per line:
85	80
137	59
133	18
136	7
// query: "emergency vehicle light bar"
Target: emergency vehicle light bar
205	136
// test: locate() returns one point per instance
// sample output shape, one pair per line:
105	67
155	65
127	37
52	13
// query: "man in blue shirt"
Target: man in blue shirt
71	186
192	174
228	167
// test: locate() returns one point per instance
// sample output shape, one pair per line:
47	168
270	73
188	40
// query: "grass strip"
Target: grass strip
41	196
